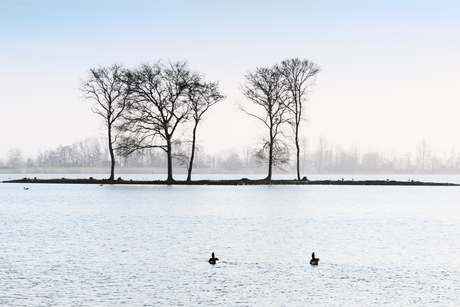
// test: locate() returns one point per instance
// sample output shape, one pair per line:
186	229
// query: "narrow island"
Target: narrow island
242	181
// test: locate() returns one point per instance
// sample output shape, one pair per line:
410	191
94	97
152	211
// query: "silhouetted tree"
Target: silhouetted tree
106	87
201	96
264	88
299	77
159	104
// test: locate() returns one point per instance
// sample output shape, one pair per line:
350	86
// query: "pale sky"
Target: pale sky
390	68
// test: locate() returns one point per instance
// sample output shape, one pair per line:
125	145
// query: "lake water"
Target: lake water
91	245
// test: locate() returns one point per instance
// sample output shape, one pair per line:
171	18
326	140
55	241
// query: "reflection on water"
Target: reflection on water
81	245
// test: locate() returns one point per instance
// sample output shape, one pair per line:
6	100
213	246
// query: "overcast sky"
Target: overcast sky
390	68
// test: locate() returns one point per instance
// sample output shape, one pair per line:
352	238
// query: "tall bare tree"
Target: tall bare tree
424	154
322	154
159	104
106	88
14	158
201	96
299	77
264	88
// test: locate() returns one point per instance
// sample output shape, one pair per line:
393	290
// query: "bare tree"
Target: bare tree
14	158
106	87
305	154
299	77
264	88
408	161
424	154
159	104
232	162
322	154
90	152
248	156
452	160
279	152
201	96
372	162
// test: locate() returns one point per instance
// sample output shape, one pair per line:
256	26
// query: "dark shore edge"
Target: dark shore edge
243	181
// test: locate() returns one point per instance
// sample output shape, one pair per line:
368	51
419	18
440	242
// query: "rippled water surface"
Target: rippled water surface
90	245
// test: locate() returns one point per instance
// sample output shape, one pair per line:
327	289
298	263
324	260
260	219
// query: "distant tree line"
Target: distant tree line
326	158
85	153
91	153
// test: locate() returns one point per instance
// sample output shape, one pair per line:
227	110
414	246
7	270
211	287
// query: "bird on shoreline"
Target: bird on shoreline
213	259
314	260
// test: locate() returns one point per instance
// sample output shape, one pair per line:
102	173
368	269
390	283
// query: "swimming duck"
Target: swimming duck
213	259
314	260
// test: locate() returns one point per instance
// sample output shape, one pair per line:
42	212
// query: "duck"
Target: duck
314	260
213	259
26	188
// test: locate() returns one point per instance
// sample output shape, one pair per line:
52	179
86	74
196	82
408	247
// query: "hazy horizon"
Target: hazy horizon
390	72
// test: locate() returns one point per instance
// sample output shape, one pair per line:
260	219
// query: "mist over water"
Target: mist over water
91	245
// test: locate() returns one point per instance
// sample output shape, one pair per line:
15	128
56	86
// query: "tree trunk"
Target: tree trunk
112	155
270	162
192	155
112	164
298	151
270	156
169	158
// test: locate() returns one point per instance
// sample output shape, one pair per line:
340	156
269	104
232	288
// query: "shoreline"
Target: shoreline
243	181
